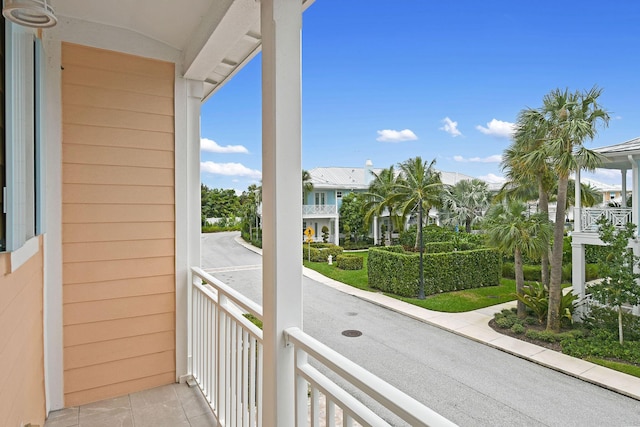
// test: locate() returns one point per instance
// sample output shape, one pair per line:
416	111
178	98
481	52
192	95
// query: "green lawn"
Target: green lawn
451	302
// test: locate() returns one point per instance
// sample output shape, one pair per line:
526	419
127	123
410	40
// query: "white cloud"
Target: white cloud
229	169
388	135
213	147
450	127
496	158
498	128
493	178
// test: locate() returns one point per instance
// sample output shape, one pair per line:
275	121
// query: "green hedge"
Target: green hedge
320	254
397	273
350	262
533	272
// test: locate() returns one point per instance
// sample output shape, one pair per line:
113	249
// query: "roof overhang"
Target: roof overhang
619	156
215	38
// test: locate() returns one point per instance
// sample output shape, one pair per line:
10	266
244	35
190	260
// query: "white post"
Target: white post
578	274
623	193
187	193
337	236
577	211
281	23
375	230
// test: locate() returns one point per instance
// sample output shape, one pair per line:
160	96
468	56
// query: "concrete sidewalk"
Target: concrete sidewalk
475	325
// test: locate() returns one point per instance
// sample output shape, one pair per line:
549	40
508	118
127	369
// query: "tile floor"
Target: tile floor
173	405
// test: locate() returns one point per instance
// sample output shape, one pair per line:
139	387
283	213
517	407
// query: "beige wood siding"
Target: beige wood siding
21	342
117	223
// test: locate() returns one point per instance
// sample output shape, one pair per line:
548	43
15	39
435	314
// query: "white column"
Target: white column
281	22
578	274
577	211
634	190
337	238
188	99
623	194
52	295
375	230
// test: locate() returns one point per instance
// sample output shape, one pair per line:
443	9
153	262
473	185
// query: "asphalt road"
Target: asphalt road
465	381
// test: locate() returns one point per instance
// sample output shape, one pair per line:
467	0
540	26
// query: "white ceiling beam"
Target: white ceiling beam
219	31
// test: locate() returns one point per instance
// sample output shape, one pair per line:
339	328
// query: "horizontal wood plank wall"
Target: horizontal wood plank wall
117	223
21	342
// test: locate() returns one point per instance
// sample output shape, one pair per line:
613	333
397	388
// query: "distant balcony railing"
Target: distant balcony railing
319	209
617	216
227	364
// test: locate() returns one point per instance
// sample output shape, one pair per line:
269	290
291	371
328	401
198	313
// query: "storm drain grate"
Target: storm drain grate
351	333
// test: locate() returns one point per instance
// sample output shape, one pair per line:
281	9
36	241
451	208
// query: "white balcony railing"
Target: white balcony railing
319	209
226	354
226	351
617	216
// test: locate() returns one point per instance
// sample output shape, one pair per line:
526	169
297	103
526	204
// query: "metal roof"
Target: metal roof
353	178
617	155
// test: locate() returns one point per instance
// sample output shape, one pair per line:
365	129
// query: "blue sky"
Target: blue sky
390	80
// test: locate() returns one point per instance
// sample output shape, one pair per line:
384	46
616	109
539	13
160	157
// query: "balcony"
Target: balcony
226	362
319	210
617	216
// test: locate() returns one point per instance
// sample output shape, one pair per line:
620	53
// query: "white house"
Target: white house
330	184
622	157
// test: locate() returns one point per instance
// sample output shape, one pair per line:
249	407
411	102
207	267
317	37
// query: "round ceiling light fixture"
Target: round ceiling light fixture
30	13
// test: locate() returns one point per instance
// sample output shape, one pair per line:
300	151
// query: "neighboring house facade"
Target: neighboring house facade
331	184
622	157
100	290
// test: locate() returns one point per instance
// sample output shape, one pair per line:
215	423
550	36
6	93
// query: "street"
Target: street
470	383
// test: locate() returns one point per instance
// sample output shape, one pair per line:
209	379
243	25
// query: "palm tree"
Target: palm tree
513	231
307	185
465	202
569	120
529	177
377	197
418	186
589	195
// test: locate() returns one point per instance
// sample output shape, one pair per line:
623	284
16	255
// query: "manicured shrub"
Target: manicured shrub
350	262
438	247
320	254
398	273
508	270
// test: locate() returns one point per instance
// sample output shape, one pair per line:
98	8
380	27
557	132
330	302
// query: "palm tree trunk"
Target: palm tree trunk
467	225
519	282
555	289
543	205
620	335
421	281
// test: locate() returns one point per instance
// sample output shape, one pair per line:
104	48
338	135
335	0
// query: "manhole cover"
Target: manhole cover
351	313
351	333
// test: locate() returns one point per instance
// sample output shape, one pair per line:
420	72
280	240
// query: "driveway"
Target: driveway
465	381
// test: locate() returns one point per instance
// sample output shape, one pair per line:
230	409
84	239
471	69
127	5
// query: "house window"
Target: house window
339	194
22	158
612	195
320	199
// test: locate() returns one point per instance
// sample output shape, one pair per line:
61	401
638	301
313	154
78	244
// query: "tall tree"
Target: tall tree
307	185
510	229
352	214
569	119
465	203
419	187
529	178
378	201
